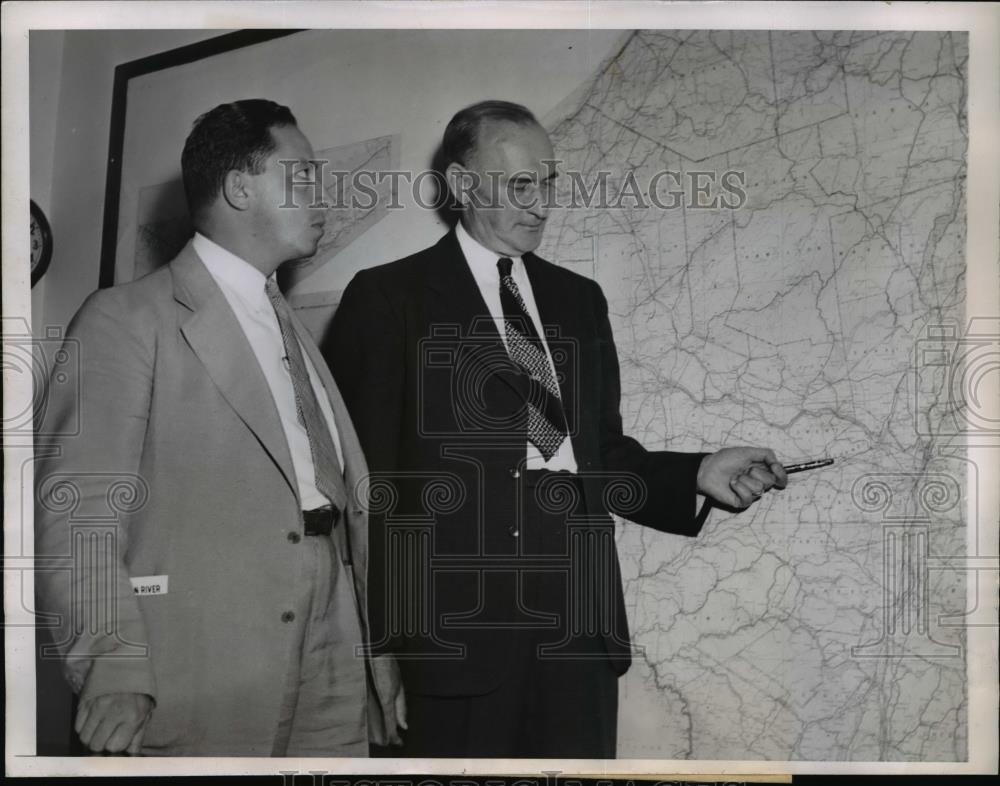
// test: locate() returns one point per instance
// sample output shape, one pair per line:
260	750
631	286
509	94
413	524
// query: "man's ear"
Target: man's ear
461	182
236	189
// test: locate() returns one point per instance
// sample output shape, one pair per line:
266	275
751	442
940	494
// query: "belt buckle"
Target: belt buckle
319	521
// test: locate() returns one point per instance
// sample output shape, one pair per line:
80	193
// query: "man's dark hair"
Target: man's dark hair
231	136
462	133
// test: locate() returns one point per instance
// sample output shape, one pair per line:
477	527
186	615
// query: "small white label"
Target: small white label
150	585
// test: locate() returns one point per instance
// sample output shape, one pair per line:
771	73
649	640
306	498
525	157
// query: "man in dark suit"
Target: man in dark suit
484	385
213	551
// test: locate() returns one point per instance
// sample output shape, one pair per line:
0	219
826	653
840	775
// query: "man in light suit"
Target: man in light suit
201	539
484	385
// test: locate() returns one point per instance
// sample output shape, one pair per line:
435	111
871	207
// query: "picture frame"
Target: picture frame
126	75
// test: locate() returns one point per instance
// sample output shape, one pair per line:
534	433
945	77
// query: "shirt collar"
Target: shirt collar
482	262
231	272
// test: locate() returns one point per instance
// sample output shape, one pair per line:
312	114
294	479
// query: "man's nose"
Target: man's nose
539	207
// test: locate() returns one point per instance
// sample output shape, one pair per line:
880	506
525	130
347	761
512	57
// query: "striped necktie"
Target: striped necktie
329	475
546	420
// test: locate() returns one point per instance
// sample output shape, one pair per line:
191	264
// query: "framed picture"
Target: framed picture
146	223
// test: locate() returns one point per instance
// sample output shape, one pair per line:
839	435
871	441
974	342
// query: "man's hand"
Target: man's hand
401	708
114	722
738	477
394	710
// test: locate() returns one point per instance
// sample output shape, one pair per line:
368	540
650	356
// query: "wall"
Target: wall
45	59
70	149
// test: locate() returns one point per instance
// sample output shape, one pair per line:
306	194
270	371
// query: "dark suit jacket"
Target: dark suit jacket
440	412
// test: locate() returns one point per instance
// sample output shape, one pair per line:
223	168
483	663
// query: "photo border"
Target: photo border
983	27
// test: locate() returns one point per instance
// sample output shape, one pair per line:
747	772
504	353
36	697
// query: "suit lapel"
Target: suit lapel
217	339
457	299
451	280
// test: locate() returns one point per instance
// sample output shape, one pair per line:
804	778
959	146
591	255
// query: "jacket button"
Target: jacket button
514	531
288	616
515	473
294	537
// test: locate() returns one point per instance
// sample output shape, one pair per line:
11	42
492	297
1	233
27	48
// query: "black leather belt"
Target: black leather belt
320	521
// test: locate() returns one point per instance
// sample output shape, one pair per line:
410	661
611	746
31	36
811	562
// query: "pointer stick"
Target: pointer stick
808	465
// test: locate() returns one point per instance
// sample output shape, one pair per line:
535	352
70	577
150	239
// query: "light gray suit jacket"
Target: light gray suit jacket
180	469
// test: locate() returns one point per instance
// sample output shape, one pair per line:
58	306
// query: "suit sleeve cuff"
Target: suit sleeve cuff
703	506
119	675
702	503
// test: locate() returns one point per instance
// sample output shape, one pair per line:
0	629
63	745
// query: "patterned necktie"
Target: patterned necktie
546	420
329	476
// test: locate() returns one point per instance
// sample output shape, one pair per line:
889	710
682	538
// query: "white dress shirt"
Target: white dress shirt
483	264
243	286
